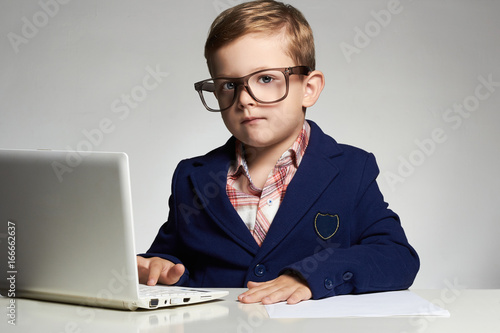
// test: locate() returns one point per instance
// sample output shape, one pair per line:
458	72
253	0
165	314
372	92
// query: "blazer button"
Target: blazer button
347	276
259	270
328	284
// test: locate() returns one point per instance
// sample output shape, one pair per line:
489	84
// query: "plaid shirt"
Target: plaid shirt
253	203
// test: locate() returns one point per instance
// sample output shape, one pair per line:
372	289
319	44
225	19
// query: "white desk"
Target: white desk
474	311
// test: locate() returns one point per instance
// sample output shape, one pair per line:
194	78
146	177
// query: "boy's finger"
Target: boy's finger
155	269
252	284
173	274
299	295
143	270
257	291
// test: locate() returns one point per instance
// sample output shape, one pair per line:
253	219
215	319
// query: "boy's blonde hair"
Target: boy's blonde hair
268	17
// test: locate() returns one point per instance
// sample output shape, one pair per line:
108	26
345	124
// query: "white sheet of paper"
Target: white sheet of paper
383	304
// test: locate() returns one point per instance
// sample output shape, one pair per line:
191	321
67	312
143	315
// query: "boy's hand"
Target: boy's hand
157	270
283	288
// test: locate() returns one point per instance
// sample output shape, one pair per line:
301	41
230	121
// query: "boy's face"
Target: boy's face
261	125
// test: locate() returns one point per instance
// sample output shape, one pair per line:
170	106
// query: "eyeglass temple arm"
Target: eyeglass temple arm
207	86
304	70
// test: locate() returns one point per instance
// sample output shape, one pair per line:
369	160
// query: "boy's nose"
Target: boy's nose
244	98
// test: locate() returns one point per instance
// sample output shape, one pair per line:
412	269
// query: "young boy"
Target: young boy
281	208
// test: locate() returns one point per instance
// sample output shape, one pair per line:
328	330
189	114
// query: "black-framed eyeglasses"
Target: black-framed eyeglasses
264	86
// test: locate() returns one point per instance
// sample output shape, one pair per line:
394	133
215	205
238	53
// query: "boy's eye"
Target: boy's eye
266	79
228	86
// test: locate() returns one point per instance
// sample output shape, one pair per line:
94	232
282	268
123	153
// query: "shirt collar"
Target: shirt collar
294	154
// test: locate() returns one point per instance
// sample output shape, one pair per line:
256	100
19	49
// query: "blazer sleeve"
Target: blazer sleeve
379	257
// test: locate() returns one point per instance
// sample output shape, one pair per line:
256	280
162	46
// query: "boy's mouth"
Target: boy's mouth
248	120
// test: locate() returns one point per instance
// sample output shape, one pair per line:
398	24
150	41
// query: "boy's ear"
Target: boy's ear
313	85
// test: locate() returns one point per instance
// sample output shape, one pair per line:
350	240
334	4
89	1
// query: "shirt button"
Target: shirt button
328	284
259	270
270	202
347	276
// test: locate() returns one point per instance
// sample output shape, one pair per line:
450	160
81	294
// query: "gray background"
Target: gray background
395	86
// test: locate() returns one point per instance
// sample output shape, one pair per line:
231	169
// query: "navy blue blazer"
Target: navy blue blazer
333	226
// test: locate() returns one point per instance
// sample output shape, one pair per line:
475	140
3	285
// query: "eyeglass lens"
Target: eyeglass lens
266	86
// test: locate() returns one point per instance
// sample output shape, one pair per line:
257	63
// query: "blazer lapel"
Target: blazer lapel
313	176
209	181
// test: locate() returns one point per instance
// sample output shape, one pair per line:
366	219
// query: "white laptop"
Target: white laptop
67	234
